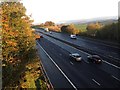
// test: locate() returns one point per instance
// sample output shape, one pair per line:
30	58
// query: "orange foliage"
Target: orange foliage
54	28
11	43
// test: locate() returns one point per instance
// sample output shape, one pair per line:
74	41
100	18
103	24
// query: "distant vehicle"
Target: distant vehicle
50	32
46	30
41	36
75	56
38	36
33	29
94	59
73	36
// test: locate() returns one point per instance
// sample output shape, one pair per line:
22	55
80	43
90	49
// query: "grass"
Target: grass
81	27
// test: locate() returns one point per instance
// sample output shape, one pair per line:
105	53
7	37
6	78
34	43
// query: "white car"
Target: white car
73	36
46	29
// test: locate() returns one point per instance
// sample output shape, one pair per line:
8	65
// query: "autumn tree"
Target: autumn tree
18	40
49	23
92	28
70	29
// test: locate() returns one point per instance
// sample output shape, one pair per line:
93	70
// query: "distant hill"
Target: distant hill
103	20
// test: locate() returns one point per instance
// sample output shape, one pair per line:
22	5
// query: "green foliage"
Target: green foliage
18	39
109	32
81	27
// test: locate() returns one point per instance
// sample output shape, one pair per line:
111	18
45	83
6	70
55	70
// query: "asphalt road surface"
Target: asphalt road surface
65	73
106	50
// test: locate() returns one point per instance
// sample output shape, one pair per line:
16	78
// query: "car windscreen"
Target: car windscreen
77	56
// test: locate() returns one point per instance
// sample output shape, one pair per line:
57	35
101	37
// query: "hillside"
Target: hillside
103	20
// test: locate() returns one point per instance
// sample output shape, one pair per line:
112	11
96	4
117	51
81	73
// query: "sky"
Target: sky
62	10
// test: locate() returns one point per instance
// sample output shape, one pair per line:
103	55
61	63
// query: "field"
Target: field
81	27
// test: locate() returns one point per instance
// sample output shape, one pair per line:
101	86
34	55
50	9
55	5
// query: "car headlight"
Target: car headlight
78	58
99	60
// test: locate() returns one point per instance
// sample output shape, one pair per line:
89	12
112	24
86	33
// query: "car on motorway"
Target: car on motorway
50	32
73	36
94	59
38	36
75	56
46	29
41	36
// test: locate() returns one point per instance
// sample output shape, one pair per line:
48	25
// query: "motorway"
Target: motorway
64	73
108	51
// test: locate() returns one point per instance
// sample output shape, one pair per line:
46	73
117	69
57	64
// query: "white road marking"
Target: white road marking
116	78
111	64
110	56
103	60
71	63
96	82
46	74
86	61
80	50
59	68
60	54
102	43
90	54
113	57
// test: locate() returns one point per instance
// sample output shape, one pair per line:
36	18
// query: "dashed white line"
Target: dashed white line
81	51
59	69
116	78
96	82
103	60
90	54
86	61
71	63
111	64
60	54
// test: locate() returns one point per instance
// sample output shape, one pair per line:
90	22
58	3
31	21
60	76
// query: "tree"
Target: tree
109	32
93	28
17	38
49	23
70	29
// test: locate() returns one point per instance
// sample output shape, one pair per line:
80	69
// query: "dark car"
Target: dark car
41	36
75	56
94	58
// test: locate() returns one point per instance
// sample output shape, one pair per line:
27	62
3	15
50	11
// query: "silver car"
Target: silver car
75	56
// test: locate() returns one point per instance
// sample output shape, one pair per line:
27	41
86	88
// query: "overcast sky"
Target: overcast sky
60	10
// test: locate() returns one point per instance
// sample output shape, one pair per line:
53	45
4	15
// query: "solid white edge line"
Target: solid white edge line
90	54
46	74
116	78
103	60
59	68
96	82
